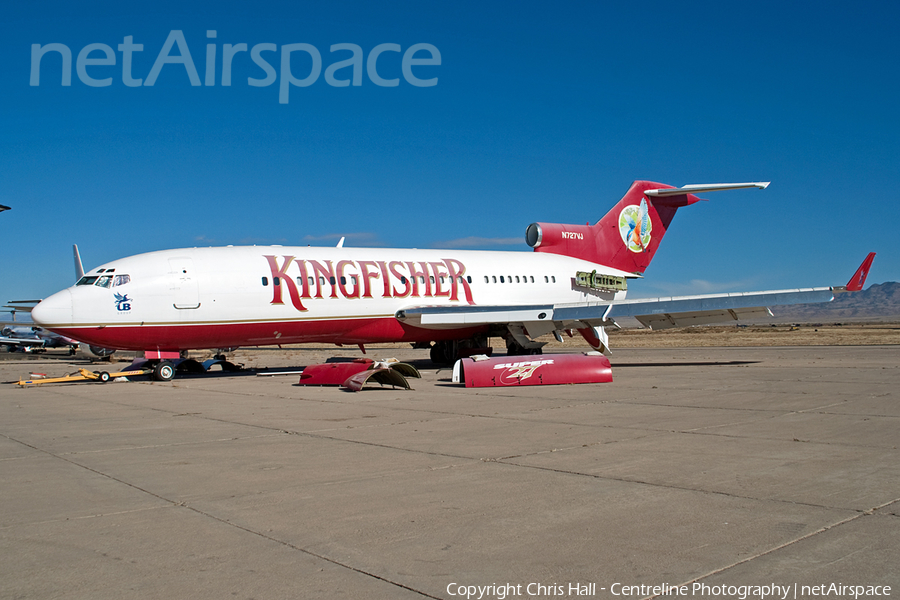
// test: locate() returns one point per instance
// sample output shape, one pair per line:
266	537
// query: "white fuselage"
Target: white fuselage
262	295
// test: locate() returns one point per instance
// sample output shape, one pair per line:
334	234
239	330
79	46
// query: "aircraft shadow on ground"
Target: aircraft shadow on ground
703	363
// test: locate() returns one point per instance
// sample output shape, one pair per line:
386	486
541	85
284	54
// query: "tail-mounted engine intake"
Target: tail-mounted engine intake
559	237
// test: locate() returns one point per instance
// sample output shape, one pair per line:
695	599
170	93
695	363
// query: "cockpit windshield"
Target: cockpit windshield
106	281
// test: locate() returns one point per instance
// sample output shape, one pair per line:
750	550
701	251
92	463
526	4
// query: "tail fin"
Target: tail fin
627	237
79	269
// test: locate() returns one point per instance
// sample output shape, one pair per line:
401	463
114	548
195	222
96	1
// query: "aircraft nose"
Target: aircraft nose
54	311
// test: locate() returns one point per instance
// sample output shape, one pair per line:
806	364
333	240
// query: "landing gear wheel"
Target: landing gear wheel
100	351
103	376
164	371
438	353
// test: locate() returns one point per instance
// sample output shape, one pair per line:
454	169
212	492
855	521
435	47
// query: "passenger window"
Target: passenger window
494	278
501	279
265	281
486	280
553	277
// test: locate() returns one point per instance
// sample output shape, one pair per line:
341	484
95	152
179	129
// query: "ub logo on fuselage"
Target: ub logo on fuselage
123	302
635	226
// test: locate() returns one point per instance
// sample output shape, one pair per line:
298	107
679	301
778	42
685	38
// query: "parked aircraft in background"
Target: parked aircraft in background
32	339
163	303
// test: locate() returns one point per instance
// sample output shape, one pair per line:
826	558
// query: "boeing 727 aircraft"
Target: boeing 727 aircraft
163	303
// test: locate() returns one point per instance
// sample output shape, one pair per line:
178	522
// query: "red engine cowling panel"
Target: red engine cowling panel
545	369
334	373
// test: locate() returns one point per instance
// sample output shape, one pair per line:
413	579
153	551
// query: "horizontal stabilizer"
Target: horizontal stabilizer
705	187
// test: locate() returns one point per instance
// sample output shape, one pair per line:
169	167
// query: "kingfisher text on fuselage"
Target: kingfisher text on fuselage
306	279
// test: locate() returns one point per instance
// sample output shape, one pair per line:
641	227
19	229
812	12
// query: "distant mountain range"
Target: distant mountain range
879	302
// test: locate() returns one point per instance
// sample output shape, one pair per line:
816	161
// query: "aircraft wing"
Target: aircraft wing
656	313
17	341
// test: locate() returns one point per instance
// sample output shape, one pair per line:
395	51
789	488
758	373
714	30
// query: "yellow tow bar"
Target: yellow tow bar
84	375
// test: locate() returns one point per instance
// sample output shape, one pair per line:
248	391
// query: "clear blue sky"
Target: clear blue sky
541	112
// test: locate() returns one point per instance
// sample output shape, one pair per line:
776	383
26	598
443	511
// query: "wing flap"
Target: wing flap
706	305
703	317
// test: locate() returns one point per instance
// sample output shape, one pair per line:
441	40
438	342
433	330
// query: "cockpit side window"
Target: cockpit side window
87	280
104	281
121	280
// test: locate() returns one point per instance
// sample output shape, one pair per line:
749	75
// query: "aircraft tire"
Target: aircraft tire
164	371
438	354
100	351
103	376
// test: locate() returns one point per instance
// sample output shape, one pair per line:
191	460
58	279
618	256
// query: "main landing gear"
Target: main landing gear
447	352
514	348
163	371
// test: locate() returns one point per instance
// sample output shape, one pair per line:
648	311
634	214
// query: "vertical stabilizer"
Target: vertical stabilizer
79	269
